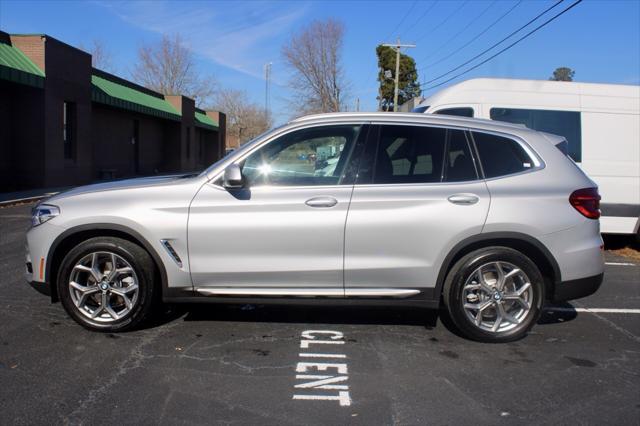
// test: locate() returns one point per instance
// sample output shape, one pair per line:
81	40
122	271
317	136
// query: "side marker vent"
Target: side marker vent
167	245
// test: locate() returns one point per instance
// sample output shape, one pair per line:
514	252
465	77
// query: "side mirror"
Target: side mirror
232	178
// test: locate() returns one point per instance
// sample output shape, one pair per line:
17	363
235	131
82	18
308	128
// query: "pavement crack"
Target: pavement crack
133	361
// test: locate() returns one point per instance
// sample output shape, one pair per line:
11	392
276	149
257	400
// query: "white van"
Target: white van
601	123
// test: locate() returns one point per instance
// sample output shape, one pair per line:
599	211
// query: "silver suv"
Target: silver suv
487	220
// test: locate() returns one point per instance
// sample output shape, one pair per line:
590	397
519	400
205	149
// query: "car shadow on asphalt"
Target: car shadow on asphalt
557	313
427	318
357	315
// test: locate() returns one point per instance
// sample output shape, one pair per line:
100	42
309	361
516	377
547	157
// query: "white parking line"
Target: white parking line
308	355
595	310
620	264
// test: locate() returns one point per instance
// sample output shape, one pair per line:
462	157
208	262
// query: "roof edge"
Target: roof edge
119	80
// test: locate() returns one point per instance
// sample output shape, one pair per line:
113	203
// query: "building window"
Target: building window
563	123
68	127
201	146
188	142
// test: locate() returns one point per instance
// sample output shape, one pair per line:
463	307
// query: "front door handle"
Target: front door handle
321	202
464	199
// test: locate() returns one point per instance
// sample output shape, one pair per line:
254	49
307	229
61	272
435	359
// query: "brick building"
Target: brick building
64	123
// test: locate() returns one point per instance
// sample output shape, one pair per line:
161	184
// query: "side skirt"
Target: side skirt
305	296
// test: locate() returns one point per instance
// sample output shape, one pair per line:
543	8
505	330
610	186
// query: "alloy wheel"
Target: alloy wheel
497	297
103	286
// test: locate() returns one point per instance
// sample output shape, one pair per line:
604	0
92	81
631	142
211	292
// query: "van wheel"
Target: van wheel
106	284
494	294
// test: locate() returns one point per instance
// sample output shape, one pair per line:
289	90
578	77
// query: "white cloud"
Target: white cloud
238	35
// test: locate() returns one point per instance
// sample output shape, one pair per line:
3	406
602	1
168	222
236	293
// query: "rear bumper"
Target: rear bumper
575	289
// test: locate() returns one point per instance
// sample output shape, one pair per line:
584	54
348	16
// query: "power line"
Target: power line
494	45
508	47
444	21
458	33
417	21
403	19
474	38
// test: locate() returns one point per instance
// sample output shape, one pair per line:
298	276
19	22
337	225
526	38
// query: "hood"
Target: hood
120	184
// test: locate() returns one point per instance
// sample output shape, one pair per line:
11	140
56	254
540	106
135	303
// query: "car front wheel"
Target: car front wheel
106	284
494	294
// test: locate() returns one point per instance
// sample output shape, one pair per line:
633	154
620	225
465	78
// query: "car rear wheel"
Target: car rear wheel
494	294
106	284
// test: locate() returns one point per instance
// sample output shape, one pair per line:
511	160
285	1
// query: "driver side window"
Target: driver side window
307	157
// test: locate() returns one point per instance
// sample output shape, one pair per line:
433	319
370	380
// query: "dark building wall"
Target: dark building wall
68	79
207	147
114	133
171	147
194	146
32	149
221	135
21	137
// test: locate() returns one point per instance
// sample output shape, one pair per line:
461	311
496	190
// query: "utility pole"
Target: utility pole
397	46
357	104
267	88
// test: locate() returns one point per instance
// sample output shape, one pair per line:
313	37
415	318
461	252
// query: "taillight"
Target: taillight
587	202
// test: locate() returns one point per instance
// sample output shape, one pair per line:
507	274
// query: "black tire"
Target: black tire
141	263
453	294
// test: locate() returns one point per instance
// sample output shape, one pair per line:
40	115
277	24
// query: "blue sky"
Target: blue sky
233	40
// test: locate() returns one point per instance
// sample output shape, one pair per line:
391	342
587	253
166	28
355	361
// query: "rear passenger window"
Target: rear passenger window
460	112
409	154
417	154
500	156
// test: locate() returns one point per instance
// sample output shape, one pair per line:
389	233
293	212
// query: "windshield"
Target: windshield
244	147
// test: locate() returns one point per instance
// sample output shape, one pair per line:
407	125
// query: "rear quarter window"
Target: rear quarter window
501	156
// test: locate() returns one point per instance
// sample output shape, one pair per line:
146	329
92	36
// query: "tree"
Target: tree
245	120
315	58
408	86
168	67
101	57
563	74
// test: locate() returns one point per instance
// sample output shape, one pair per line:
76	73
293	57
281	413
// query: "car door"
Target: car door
283	232
418	193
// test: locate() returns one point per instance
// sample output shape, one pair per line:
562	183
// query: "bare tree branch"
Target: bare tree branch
315	57
245	120
101	57
168	67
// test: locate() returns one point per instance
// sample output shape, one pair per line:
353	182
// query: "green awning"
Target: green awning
120	96
203	120
15	66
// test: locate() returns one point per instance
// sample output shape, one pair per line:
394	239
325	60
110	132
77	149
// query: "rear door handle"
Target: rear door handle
321	202
464	199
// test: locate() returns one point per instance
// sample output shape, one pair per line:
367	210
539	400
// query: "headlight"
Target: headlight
42	213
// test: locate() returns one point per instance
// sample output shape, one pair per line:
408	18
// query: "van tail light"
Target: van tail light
587	202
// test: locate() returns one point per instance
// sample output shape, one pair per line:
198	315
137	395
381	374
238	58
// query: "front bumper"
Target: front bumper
39	240
42	288
575	289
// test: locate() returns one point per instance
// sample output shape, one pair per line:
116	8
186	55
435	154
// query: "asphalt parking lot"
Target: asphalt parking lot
217	364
